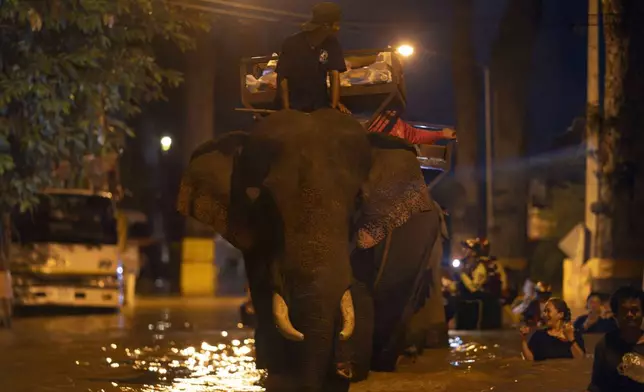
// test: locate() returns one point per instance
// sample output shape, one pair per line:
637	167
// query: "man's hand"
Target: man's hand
449	133
343	109
606	313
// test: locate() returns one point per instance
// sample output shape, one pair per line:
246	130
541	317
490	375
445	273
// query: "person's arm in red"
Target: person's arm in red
381	122
418	136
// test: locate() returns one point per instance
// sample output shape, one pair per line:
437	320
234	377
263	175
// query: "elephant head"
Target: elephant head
297	190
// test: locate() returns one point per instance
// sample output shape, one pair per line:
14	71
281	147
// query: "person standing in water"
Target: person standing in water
597	320
619	355
558	340
308	58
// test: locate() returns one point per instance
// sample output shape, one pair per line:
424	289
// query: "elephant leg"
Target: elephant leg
361	343
437	330
269	345
401	287
428	327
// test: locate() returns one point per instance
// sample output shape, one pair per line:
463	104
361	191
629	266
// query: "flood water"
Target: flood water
197	348
479	362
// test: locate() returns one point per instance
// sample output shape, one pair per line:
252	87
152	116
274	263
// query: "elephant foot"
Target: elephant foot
437	337
409	356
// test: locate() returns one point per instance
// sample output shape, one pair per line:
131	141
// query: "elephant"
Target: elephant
305	197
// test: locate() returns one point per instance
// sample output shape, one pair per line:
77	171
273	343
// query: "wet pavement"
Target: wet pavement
196	345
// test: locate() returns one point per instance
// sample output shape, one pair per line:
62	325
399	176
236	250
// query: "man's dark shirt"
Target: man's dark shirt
545	346
603	325
608	355
306	68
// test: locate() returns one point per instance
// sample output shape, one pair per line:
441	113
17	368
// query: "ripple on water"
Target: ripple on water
494	366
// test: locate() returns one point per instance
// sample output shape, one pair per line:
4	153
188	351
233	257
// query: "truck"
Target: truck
65	251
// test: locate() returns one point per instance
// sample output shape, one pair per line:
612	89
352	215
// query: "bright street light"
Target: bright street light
456	263
166	143
405	50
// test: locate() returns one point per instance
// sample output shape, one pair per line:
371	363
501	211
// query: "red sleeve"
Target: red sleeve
378	125
415	135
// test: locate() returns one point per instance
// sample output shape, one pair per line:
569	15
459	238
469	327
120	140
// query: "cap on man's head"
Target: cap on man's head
325	13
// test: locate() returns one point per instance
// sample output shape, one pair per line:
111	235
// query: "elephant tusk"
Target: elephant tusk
348	316
280	314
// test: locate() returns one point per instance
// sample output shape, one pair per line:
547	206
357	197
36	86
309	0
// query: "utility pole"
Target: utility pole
466	212
489	194
592	124
196	272
577	284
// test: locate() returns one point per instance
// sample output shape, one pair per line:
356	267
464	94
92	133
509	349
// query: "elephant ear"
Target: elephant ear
205	190
394	191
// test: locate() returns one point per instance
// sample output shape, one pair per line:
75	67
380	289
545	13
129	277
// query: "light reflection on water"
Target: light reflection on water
226	363
226	367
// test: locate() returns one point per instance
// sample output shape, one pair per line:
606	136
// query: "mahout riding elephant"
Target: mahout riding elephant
293	195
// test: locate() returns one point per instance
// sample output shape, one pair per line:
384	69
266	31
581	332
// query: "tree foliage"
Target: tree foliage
71	73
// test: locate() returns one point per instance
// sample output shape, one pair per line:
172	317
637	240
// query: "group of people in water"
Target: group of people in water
618	359
547	329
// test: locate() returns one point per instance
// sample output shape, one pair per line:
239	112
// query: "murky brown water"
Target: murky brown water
467	366
474	362
199	349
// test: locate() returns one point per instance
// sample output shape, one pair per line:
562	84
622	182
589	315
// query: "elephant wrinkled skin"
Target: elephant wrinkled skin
292	195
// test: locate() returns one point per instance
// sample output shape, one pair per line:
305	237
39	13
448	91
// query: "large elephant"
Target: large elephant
294	195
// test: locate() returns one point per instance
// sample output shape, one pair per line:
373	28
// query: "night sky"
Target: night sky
558	79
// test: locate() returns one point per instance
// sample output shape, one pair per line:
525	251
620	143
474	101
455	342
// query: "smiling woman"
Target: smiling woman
558	340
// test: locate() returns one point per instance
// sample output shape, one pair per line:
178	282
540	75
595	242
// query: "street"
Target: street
196	345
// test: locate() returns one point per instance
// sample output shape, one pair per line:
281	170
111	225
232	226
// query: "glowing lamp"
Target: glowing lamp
166	143
405	50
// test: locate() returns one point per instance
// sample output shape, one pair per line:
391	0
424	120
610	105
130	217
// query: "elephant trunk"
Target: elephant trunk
286	328
282	321
348	316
